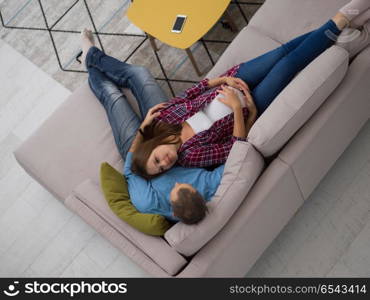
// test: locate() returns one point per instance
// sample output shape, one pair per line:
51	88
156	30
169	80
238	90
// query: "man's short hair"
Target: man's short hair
189	206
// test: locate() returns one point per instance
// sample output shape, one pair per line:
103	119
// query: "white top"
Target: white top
213	112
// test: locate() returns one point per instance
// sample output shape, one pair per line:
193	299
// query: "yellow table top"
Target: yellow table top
156	17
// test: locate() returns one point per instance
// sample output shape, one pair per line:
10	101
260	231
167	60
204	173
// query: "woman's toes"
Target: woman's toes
87	41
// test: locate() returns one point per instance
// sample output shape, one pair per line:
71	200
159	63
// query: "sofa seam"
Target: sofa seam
294	175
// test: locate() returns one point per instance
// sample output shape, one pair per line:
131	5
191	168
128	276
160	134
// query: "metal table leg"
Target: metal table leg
152	42
230	21
193	62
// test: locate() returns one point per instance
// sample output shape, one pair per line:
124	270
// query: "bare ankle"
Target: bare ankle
341	20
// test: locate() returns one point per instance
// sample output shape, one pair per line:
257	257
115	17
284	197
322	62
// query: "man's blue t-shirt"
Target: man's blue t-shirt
153	196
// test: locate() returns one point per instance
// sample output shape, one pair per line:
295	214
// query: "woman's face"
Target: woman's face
162	158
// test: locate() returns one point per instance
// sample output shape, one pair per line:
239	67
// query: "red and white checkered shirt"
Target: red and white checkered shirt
209	147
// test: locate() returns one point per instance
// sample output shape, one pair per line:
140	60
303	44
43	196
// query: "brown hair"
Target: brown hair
156	134
189	206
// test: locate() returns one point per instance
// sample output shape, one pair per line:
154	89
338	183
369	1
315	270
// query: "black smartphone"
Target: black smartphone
179	23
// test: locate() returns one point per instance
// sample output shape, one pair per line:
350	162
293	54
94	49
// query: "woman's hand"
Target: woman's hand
152	113
249	103
231	98
236	83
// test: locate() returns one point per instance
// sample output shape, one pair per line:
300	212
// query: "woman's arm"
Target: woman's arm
230	81
249	123
216	82
239	125
252	111
152	113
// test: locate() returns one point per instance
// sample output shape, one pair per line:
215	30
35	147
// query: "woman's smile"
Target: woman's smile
169	159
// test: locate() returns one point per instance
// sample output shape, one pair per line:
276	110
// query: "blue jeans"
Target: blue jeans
106	76
266	75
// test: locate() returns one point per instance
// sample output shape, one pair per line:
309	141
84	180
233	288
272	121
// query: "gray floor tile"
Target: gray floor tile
82	266
65	246
349	164
101	251
340	270
12	185
357	257
122	266
7	146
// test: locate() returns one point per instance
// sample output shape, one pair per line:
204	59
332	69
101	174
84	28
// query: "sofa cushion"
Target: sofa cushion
89	193
242	168
298	101
115	191
319	143
248	44
70	145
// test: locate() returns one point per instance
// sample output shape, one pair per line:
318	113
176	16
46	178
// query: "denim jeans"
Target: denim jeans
268	74
106	76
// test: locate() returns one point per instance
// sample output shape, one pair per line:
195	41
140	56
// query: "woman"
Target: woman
171	137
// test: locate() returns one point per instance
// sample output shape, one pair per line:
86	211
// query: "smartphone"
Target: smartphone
179	23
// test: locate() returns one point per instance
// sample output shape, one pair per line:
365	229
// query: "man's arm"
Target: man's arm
140	190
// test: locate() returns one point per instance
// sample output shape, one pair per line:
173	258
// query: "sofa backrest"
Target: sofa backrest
302	97
274	20
298	101
242	169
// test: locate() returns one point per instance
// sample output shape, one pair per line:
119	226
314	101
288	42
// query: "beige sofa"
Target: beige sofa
289	150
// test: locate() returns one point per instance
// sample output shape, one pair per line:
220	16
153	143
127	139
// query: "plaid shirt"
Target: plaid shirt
209	147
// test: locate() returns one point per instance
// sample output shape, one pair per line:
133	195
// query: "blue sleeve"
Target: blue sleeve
218	173
141	192
127	167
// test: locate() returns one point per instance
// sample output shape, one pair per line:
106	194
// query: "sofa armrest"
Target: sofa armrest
89	193
242	169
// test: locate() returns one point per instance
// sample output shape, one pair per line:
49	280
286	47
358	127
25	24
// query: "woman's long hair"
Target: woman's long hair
156	134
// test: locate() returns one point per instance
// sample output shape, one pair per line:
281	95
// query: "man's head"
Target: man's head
187	204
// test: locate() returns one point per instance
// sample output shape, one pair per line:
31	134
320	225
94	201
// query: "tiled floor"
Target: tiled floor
38	235
329	235
109	16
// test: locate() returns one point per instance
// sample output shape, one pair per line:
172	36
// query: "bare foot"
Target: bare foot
341	20
87	41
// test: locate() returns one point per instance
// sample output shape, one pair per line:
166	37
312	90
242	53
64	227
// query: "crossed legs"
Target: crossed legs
268	74
107	76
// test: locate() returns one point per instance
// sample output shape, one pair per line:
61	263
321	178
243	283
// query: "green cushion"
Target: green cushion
115	191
